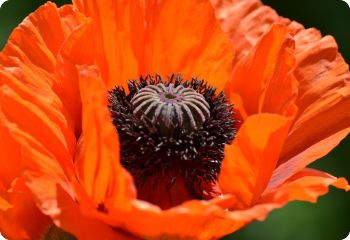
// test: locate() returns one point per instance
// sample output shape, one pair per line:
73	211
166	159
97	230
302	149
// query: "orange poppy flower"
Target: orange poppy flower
83	150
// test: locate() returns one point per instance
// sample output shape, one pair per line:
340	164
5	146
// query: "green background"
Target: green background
329	218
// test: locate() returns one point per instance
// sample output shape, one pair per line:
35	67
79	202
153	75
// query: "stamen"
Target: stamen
172	129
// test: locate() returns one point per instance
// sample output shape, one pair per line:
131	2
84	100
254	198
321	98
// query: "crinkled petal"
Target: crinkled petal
114	24
269	69
75	50
36	123
98	157
306	185
17	208
9	153
53	194
28	67
83	227
30	54
252	157
41	169
322	74
164	37
245	22
31	113
17	211
185	37
324	96
303	159
18	123
52	190
217	217
190	220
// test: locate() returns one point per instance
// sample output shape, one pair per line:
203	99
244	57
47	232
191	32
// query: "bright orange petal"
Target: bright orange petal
36	123
70	19
245	22
190	220
52	191
29	86
72	220
303	159
322	73
252	157
324	93
215	218
41	169
41	172
30	57
114	24
17	211
68	87
10	158
269	70
97	162
185	37
17	207
162	37
306	185
28	68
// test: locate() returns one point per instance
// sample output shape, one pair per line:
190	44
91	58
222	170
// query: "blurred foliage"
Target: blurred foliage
326	220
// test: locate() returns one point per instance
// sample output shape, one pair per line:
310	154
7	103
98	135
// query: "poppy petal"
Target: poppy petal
70	19
185	37
190	220
52	190
269	68
17	208
41	172
252	157
320	69
28	86
215	218
168	37
17	211
35	122
306	185
324	93
83	227
245	22
113	24
29	70
97	160
303	159
9	152
75	50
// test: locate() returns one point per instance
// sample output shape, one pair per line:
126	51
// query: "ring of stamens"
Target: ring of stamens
154	145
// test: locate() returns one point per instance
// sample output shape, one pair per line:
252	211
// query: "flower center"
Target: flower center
171	107
172	133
